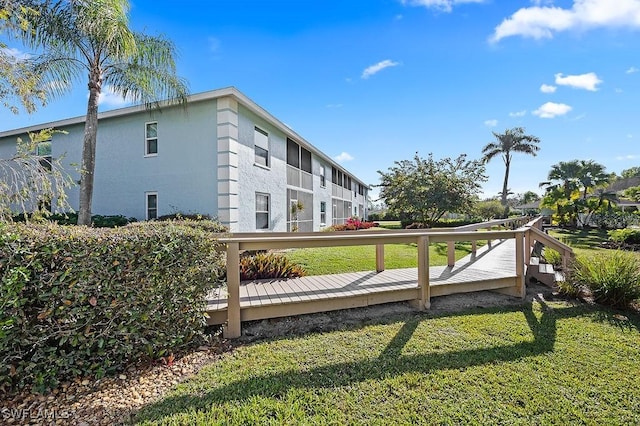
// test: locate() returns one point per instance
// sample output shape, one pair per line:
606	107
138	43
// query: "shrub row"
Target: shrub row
352	224
79	301
625	236
98	221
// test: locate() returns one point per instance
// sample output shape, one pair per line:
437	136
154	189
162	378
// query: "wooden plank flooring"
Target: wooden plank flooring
490	268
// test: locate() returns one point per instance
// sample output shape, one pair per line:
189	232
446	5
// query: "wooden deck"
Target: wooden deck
493	267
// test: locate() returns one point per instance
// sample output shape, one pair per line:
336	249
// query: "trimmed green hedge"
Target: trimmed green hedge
80	301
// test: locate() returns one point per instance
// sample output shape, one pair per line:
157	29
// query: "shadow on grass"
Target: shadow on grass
580	238
390	362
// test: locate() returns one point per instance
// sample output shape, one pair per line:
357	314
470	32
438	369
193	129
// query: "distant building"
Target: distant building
222	155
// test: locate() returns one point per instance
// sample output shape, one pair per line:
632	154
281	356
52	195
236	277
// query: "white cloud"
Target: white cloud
109	97
342	157
618	90
587	81
551	110
518	113
491	123
547	88
15	54
331	106
632	70
543	21
441	5
376	68
626	157
629	136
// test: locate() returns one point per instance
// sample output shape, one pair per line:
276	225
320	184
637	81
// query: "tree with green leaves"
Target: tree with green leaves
506	144
575	187
20	84
31	181
423	190
93	38
630	172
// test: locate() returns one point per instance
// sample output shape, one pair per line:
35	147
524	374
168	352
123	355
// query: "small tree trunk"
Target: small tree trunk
505	184
89	151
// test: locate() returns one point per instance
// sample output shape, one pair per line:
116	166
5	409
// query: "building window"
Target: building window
323	213
152	205
43	150
293	154
323	179
261	142
262	211
151	139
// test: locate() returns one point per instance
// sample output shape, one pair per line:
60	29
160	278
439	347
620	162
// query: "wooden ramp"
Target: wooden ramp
493	267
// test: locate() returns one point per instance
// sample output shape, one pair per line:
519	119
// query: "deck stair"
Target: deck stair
540	271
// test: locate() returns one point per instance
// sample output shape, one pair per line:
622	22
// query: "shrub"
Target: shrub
552	256
184	216
625	236
352	224
267	266
97	221
80	301
613	277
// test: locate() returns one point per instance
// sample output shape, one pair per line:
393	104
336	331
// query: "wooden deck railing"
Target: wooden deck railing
236	243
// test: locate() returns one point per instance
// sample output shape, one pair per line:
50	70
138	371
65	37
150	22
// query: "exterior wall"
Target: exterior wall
183	173
321	194
257	178
205	164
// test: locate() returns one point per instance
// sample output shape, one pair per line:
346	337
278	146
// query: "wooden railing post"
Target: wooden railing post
520	285
451	253
379	257
527	247
232	328
474	247
423	273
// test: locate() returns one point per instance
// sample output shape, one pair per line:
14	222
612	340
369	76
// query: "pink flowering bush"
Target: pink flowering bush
353	224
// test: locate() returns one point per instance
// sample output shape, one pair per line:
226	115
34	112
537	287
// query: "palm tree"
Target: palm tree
512	140
566	175
592	175
89	37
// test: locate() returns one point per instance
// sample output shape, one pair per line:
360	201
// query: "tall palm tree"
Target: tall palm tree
512	140
92	37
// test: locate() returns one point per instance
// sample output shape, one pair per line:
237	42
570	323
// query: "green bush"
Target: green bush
625	236
79	301
612	277
268	265
552	256
98	221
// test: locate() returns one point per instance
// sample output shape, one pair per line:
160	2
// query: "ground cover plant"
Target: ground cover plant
538	363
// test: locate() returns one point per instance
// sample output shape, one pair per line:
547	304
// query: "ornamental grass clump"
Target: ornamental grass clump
267	266
613	278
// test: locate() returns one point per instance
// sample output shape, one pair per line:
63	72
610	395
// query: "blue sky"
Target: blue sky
371	82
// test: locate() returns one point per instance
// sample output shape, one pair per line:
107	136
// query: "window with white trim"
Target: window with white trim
323	213
323	179
262	211
152	205
151	139
261	142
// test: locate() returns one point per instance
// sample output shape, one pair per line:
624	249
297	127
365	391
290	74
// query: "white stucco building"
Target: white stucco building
222	155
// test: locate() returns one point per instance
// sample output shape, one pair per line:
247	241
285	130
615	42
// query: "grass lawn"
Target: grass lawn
336	260
389	224
533	364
